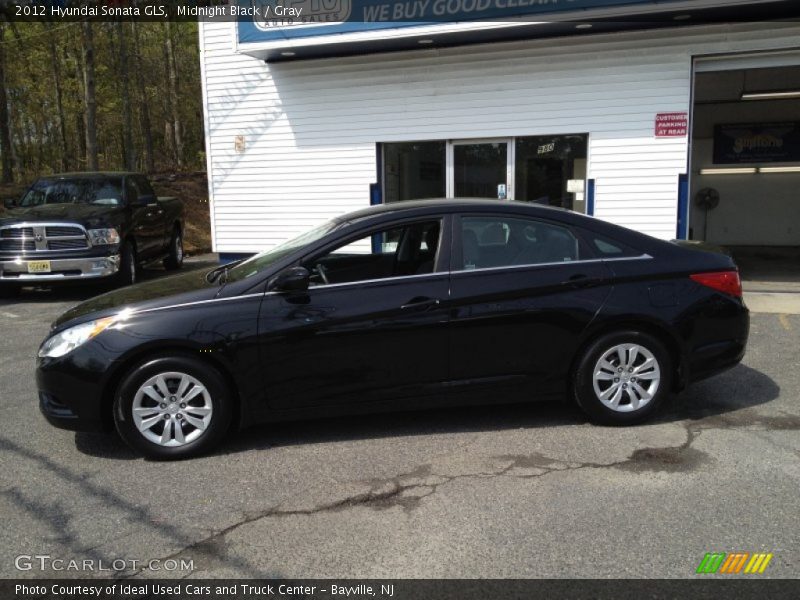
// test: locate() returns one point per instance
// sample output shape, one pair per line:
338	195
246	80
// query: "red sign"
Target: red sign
672	124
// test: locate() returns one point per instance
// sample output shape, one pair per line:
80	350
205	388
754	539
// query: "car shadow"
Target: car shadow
80	291
729	396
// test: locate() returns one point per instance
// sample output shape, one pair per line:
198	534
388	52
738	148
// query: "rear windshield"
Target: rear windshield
94	190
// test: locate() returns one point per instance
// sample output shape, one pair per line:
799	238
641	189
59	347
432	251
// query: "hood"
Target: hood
88	215
166	291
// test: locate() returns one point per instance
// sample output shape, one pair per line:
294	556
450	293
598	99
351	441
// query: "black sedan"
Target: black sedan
403	306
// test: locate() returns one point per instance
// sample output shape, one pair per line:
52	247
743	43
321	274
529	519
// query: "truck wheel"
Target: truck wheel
9	290
128	270
175	258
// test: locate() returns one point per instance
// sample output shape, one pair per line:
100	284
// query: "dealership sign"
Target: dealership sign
283	20
757	143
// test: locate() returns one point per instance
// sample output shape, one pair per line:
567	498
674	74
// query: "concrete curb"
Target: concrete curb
785	303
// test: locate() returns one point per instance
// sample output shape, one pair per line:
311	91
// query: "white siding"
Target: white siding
311	127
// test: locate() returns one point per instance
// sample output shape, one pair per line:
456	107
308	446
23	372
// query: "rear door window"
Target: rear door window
493	241
605	247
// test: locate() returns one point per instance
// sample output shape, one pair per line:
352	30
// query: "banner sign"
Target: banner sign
276	20
757	143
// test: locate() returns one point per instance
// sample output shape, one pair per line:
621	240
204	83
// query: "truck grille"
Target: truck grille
42	238
17	245
58	231
16	233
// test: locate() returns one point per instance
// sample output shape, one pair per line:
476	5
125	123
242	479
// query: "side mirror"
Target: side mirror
293	279
10	202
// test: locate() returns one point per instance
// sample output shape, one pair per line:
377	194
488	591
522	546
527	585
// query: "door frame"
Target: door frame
450	162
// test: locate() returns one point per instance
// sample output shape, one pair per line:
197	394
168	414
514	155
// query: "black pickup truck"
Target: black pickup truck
87	226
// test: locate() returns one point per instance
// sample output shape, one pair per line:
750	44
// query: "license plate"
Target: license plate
39	266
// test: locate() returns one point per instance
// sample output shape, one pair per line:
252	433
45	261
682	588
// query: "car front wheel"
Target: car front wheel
622	378
172	407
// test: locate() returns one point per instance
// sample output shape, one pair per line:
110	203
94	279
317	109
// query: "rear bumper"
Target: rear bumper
716	356
61	269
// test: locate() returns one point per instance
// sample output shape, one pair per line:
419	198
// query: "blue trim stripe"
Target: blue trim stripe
683	207
590	199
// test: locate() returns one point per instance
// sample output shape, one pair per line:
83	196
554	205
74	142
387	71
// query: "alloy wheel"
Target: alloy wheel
626	377
172	409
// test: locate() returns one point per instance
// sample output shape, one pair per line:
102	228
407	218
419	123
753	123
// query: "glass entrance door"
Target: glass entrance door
480	169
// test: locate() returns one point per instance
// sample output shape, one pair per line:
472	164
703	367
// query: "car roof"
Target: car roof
448	205
433	206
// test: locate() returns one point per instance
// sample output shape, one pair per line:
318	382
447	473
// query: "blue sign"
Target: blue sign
756	143
276	20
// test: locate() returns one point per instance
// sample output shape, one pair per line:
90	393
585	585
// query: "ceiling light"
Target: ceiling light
784	95
779	170
287	53
584	26
729	171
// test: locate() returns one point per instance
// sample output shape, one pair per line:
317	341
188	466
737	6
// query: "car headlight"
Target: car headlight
69	339
103	237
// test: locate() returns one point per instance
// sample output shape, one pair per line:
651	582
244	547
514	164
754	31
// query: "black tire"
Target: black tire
625	382
128	273
175	258
218	397
9	290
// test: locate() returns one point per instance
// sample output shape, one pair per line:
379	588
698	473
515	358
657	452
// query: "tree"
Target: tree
144	110
129	153
62	123
104	95
90	99
172	67
6	173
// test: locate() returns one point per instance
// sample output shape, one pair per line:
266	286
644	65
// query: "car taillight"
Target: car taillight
727	282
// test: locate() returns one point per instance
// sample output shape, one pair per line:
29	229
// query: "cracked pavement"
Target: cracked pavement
509	491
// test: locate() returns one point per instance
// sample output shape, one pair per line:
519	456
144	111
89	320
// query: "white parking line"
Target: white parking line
8	314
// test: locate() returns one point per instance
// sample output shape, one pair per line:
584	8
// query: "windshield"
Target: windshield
104	191
256	264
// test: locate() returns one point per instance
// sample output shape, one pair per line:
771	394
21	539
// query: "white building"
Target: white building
626	120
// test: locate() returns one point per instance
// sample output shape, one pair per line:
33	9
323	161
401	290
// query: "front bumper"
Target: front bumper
71	392
61	269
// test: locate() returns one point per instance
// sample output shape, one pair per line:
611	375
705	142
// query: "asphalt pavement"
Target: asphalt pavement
492	492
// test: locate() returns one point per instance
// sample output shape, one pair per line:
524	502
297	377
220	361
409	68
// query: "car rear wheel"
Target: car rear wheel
622	378
175	258
173	407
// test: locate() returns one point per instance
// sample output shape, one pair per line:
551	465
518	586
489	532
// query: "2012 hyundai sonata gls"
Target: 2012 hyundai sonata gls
404	306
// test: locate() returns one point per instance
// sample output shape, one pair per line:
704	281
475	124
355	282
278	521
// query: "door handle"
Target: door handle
580	280
421	303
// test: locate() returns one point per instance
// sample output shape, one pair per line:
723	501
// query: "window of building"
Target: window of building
549	170
413	170
545	166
